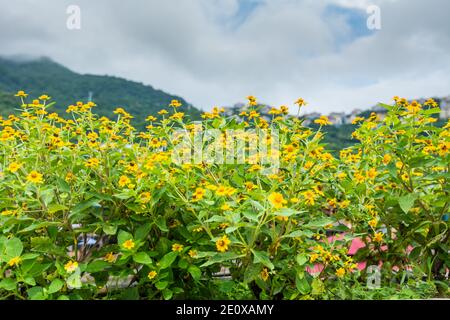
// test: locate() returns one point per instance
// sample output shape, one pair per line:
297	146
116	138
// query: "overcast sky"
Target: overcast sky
216	52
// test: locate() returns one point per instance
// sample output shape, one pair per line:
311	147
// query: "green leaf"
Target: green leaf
161	224
54	207
183	264
432	111
221	257
167	294
38	226
407	202
63	185
302	285
299	234
14	247
36	293
30	256
167	260
251	215
8	284
97	266
302	259
143	231
124	236
130	294
319	223
84	205
110	229
286	212
161	284
55	286
251	273
317	287
74	281
262	257
195	272
29	280
142	258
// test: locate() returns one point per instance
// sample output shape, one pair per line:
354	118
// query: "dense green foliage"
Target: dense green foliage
44	75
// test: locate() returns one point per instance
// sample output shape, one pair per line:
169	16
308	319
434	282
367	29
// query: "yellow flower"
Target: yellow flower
344	204
198	194
313	257
340	272
71	266
282	218
21	94
14	261
92	163
71	108
69	177
177	116
150	118
152	274
378	237
175	104
8	213
14	166
120	111
372	173
323	121
110	257
145	197
310	197
225	207
192	253
123	181
387	159
221	191
35	177
44	97
129	244
252	101
341	175
176	247
277	200
264	274
224	225
373	223
301	102
222	244
357	120
444	148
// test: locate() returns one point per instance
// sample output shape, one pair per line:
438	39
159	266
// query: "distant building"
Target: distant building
445	108
310	117
352	116
337	118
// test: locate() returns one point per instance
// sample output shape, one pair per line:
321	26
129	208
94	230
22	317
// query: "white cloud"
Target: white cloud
281	50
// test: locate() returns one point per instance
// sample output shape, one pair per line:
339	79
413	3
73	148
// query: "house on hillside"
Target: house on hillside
445	108
349	118
337	118
310	117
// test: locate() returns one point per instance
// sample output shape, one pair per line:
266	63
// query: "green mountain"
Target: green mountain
44	76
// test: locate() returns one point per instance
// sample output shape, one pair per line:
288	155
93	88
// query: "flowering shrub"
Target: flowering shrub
90	208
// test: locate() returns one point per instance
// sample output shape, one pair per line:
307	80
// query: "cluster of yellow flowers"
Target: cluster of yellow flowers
53	168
